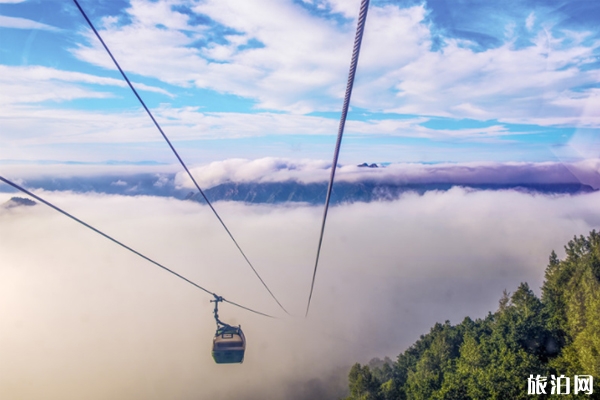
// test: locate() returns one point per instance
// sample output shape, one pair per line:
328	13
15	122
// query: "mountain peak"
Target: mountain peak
365	165
19	202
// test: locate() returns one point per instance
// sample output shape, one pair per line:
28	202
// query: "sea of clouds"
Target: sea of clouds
270	169
83	318
165	179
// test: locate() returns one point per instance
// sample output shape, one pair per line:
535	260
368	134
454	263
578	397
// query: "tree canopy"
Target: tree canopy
491	358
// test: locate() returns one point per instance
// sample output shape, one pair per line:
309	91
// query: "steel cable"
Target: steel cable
362	16
175	151
38	198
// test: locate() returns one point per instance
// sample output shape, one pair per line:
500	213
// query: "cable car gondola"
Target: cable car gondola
229	343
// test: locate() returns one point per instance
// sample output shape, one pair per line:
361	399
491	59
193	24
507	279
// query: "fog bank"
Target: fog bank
83	318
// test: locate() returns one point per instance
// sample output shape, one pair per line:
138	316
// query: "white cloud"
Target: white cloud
348	8
530	21
286	73
33	126
119	183
303	62
261	170
84	319
533	83
16	92
23	23
26	126
302	67
162	181
34	84
310	171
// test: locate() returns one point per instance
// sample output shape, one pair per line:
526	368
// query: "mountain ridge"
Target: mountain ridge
286	191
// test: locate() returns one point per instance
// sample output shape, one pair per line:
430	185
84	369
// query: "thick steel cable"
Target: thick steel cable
175	151
38	198
362	17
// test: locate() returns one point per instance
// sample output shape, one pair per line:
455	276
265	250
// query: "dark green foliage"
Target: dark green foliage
382	369
492	358
363	385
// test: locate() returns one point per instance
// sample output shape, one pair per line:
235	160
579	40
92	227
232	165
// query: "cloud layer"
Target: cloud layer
310	171
83	319
496	85
436	82
23	23
286	56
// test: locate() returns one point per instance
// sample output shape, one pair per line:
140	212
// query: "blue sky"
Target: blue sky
437	81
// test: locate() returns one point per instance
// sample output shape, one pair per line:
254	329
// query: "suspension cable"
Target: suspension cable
175	151
38	198
362	16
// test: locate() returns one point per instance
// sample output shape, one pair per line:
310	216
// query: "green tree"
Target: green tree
363	384
492	358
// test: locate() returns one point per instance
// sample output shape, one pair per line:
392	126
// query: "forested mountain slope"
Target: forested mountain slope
492	358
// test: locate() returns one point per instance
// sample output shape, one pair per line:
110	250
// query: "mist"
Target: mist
271	169
83	318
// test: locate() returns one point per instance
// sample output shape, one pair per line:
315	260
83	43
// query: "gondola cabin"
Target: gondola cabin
229	345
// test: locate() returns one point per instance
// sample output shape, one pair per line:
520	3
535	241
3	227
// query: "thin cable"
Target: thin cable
38	198
175	152
362	16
